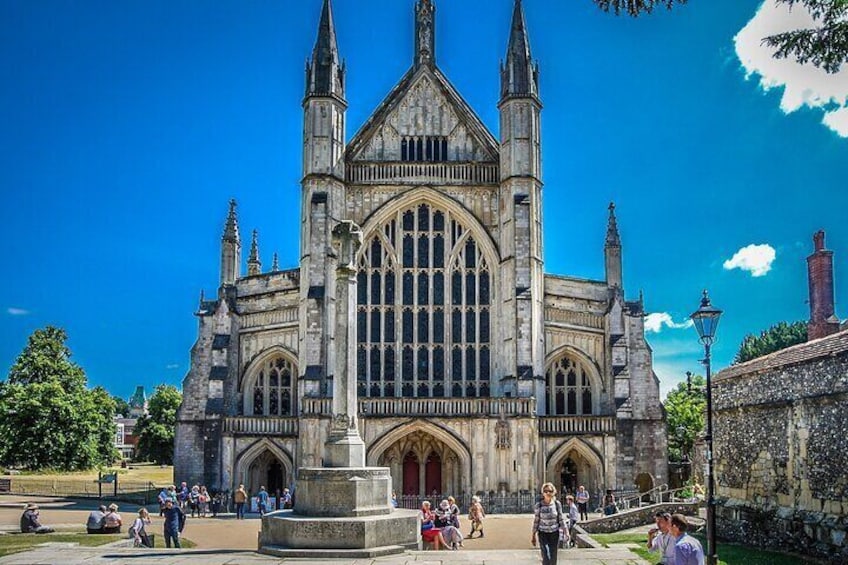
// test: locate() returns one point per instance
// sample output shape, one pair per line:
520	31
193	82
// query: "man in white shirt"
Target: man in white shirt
660	539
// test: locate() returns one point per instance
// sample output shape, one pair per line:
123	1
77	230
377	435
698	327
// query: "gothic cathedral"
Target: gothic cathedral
476	370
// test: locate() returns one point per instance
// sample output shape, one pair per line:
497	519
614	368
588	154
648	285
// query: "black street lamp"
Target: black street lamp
706	321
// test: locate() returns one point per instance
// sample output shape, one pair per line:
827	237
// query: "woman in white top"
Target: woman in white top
112	520
138	531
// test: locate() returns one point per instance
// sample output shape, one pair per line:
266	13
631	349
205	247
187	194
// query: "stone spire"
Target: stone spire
425	33
230	248
823	320
612	251
519	73
275	263
254	264
613	239
325	75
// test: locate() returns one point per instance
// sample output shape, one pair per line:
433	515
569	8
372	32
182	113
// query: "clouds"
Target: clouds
756	259
654	322
12	311
804	85
172	366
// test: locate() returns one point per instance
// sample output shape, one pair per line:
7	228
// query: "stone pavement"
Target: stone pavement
53	554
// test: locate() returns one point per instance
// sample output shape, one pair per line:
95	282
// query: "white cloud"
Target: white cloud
173	366
804	85
756	259
654	322
17	311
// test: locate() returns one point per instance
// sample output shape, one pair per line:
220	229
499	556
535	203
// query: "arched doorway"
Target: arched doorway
569	477
268	471
421	464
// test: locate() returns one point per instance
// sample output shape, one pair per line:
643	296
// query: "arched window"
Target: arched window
272	390
424	301
569	388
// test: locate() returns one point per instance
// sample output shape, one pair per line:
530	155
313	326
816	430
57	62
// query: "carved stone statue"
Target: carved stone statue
347	238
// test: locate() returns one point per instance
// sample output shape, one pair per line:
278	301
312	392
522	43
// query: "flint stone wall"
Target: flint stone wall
636	517
781	439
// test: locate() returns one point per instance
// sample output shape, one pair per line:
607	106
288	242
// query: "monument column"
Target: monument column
344	447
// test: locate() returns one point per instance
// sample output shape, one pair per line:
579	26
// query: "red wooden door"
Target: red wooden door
433	476
410	475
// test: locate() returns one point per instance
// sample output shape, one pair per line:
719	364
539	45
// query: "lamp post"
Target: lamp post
706	320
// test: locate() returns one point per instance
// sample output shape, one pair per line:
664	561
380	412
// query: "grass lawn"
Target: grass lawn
15	543
136	472
727	553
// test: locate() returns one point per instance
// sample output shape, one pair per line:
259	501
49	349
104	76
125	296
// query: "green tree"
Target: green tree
685	409
156	430
48	416
122	407
825	45
779	336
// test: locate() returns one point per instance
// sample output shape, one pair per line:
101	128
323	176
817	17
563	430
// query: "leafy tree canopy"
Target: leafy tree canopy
122	407
48	416
156	429
685	409
779	336
825	45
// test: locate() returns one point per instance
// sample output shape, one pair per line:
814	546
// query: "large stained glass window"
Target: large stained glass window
272	390
569	388
423	320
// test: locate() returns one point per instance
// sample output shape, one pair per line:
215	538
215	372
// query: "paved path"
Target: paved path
225	540
104	555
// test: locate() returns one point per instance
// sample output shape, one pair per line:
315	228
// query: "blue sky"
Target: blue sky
127	127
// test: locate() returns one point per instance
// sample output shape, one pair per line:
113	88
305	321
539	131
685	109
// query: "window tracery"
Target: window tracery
424	271
272	392
569	388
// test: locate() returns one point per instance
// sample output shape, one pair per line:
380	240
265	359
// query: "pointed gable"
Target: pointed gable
424	104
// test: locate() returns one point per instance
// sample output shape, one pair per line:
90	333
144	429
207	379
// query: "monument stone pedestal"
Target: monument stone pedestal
343	509
341	512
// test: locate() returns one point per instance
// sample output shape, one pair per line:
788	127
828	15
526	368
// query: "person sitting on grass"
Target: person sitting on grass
96	521
30	523
112	521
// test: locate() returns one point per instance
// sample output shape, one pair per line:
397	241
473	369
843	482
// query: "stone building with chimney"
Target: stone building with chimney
781	436
476	370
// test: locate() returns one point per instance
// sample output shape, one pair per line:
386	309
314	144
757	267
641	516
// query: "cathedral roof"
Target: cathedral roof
402	90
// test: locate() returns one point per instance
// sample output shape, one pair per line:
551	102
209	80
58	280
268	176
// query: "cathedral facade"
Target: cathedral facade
476	371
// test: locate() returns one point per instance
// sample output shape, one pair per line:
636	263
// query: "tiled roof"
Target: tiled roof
829	346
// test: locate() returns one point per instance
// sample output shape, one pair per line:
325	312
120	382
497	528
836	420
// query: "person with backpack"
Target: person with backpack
548	522
138	530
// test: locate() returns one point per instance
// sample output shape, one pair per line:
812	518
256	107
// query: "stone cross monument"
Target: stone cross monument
342	509
345	447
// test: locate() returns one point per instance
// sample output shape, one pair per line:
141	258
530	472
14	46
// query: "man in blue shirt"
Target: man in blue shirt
174	523
262	497
687	550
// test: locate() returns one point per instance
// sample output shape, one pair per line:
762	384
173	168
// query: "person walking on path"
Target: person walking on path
583	502
175	520
138	530
548	522
240	498
660	539
476	514
262	499
687	550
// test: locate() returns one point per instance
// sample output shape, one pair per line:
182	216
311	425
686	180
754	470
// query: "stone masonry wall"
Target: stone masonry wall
781	439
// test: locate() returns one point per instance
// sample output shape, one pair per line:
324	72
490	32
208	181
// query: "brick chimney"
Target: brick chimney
823	321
